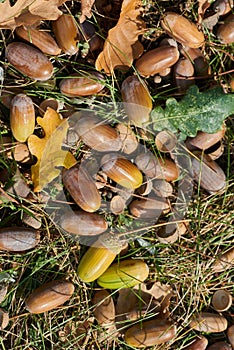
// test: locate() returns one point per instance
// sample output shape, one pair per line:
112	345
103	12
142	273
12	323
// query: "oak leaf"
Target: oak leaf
86	7
122	45
48	150
28	12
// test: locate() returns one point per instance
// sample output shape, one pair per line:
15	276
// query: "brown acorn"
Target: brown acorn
230	335
137	100
82	188
224	262
22	117
41	39
157	168
82	223
49	296
199	343
122	171
149	208
182	30
150	333
66	33
18	239
157	60
208	322
96	134
29	61
225	31
203	140
184	74
82	84
208	173
88	32
220	345
201	65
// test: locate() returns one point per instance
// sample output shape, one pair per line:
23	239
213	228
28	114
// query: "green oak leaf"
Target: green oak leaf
204	111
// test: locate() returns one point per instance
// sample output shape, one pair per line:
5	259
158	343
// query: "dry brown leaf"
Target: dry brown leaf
86	9
122	46
28	12
48	150
203	5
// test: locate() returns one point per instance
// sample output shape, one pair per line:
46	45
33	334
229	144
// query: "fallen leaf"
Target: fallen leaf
122	46
28	12
203	5
86	9
48	150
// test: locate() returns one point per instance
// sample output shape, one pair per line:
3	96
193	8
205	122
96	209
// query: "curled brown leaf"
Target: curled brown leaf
122	45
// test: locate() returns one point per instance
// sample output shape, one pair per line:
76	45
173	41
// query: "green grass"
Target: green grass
185	265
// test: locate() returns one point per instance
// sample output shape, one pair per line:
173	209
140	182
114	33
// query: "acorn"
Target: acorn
95	262
82	223
96	134
208	322
199	343
203	140
208	173
49	296
82	84
22	117
149	208
230	335
4	319
18	239
41	39
82	188
220	345
225	31
157	60
66	33
124	274
137	100
157	168
88	32
150	333
121	170
29	61
224	262
200	63
182	30
184	74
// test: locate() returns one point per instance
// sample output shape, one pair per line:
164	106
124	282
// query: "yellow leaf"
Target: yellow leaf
48	150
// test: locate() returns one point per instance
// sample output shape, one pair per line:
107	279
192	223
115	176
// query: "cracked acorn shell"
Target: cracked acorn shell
124	274
22	117
208	322
81	223
150	333
82	188
83	84
182	30
49	296
29	61
157	60
122	171
137	100
66	33
97	135
18	239
41	39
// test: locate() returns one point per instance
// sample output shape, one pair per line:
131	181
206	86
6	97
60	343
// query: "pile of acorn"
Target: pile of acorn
126	170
